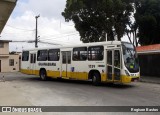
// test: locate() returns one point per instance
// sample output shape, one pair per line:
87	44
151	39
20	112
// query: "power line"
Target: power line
62	41
60	34
51	38
28	41
49	43
58	41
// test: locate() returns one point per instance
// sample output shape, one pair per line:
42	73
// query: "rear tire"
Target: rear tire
43	75
96	79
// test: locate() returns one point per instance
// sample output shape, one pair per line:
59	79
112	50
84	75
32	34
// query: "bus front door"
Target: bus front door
32	63
113	65
66	64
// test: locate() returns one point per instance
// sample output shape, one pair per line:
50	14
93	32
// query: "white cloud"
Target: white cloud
51	25
47	8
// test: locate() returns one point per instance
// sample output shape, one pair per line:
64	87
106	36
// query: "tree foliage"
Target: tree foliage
147	20
94	19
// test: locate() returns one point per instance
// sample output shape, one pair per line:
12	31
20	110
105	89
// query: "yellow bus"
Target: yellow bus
111	61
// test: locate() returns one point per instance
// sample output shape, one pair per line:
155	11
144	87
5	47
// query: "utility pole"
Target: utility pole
36	37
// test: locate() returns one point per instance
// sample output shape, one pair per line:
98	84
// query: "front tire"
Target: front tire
43	75
96	79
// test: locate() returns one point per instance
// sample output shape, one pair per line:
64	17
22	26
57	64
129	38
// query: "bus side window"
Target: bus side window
42	55
95	53
117	58
109	57
75	55
25	56
64	57
79	54
53	54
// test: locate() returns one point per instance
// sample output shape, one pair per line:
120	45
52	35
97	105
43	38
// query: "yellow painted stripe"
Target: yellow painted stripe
30	72
103	77
123	78
53	74
25	71
79	75
127	79
75	75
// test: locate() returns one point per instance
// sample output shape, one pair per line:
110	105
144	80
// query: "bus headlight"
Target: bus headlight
127	73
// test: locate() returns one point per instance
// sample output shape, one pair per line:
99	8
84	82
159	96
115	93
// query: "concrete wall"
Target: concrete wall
16	63
4	64
5	49
5	58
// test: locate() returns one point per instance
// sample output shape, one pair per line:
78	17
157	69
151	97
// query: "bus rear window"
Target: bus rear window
95	53
25	56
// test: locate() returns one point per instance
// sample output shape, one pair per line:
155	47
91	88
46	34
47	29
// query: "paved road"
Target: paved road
30	90
64	92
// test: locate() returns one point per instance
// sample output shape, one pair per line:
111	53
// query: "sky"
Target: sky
52	27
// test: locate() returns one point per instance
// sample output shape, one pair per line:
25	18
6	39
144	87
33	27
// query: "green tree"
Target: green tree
147	20
94	19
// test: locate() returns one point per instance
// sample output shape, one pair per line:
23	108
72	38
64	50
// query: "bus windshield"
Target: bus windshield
130	57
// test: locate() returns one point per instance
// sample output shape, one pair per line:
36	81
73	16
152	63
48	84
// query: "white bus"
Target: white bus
111	61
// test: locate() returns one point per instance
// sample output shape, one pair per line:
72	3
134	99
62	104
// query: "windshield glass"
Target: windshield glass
130	57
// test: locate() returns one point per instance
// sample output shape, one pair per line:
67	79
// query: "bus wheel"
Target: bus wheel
43	75
96	79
